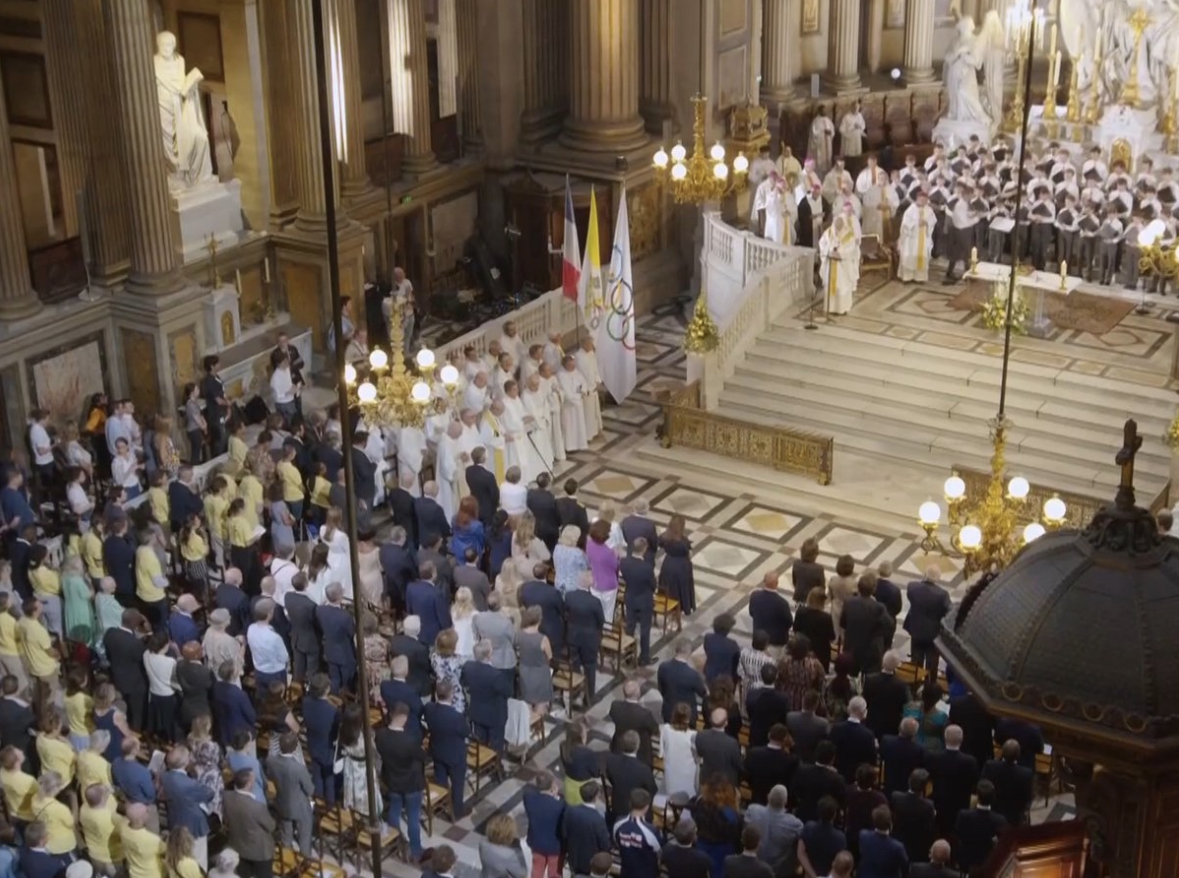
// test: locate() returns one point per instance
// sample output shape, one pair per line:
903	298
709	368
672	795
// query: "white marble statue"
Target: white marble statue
962	64
186	141
992	46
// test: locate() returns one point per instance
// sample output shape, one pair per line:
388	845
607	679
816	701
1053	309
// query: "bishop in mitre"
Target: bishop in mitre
573	392
840	251
916	240
587	364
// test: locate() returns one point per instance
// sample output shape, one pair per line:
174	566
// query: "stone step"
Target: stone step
938	410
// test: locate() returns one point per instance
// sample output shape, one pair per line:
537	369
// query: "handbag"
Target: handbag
338	762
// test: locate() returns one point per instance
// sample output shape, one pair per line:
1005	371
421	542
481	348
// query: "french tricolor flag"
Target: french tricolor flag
570	257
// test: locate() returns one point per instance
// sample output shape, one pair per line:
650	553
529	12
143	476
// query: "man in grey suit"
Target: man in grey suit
249	827
719	753
293	789
497	628
469	576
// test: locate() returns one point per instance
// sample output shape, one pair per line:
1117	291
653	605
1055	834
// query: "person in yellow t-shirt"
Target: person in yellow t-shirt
157	499
102	828
18	785
36	649
292	482
237	448
54	748
194	551
93	767
150	582
91	551
250	490
10	660
321	494
216	505
60	837
243	546
142	848
46	582
79	707
179	857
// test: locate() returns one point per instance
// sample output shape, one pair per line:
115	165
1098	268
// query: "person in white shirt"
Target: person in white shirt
513	496
125	469
511	343
357	349
283	569
80	503
267	649
283	388
477	397
851	131
160	668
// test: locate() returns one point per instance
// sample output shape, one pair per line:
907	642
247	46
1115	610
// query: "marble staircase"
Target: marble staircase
923	405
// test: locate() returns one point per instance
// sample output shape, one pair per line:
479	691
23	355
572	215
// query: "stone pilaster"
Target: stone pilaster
17	297
874	35
154	256
756	32
282	96
468	71
242	38
843	47
545	66
604	94
655	86
780	61
918	64
411	86
447	58
69	101
312	216
355	182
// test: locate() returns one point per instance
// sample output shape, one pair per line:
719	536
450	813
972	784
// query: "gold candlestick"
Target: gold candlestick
1015	114
1073	113
212	248
1168	126
1130	94
1050	125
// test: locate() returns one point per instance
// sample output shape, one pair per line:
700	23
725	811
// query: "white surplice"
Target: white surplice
553	355
550	388
916	242
573	426
476	398
840	249
494	439
536	408
587	365
514	345
498	379
411	450
518	422
447	469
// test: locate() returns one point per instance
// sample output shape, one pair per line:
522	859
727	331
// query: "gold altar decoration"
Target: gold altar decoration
994	311
748	128
1171	437
1154	260
986	526
1074	111
1130	92
1169	126
701	335
704	175
1021	19
214	274
396	396
1093	111
1051	127
686	425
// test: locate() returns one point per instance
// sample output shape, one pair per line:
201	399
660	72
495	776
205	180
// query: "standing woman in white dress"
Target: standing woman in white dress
677	746
339	567
462	614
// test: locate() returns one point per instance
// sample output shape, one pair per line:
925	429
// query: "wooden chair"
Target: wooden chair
334	827
875	255
437	800
293	864
569	682
618	644
389	841
669	609
482	761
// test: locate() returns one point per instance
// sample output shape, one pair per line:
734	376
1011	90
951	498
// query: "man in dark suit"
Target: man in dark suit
17	720
888	593
184	795
866	625
482	485
430	517
680	683
767	767
901	756
886	695
339	634
584	830
769	611
232	709
977	724
449	731
626	773
118	555
854	741
570	511
978	828
403	509
293	789
815	780
928	605
955	775
1012	782
631	715
1029	737
719	753
639	576
230	597
638	526
304	636
250	829
766	705
470	575
434	550
488	691
35	861
681	857
721	652
539	593
806	727
543	506
586	619
328	453
396	690
124	651
407	644
184	500
938	865
425	600
321	719
913	817
398	566
364	471
545	810
881	855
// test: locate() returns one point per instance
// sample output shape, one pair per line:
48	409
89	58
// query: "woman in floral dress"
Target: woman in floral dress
448	665
206	760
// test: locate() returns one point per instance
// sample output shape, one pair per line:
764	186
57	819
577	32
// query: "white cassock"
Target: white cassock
471	368
490	363
493	436
550	389
536	409
435	428
851	131
818	146
834	182
498	379
476	398
573	390
916	242
528	368
446	471
878	203
553	355
411	449
781	214
840	250
515	346
587	365
517	450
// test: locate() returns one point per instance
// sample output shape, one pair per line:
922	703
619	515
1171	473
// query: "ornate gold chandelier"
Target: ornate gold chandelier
986	530
395	396
703	176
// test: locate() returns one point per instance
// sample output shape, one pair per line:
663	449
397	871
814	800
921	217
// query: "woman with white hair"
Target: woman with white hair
462	614
226	864
527	548
569	561
220	647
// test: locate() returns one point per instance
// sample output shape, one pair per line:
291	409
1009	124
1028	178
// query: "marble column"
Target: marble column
447	59
655	76
354	181
468	71
411	84
874	35
918	64
780	52
69	101
843	47
17	297
545	66
604	94
312	215
154	250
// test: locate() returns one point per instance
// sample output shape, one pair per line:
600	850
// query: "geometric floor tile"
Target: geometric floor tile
769	524
694	505
726	558
615	485
839	540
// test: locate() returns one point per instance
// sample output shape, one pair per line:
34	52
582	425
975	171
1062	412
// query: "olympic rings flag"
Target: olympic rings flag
615	335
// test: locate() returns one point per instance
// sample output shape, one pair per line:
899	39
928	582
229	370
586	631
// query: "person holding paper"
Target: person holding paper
916	240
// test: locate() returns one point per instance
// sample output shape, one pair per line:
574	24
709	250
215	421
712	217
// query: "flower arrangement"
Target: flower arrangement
701	335
994	311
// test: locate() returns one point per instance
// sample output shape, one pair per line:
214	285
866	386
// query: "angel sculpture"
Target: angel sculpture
962	64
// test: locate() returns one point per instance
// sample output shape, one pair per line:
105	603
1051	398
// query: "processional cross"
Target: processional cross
1131	442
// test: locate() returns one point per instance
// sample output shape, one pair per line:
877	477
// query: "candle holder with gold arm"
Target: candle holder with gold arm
1168	126
1131	95
1051	123
1074	111
1020	18
393	395
704	175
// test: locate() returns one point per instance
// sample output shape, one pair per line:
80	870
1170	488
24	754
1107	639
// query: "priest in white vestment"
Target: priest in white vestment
504	372
411	453
511	343
553	353
869	184
851	132
530	365
521	426
491	358
448	469
472	363
550	389
468	442
916	240
538	417
477	396
573	393
840	250
493	436
587	364
835	181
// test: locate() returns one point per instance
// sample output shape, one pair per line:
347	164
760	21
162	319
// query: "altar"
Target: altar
245	365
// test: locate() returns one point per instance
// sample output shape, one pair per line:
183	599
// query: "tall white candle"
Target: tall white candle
1052	42
1056	71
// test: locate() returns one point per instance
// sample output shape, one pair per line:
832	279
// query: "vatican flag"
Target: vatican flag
615	338
591	301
